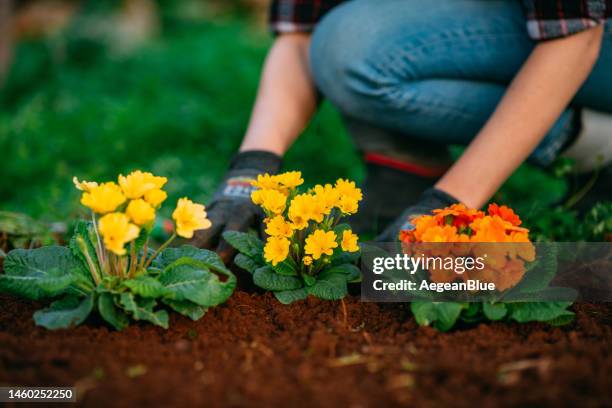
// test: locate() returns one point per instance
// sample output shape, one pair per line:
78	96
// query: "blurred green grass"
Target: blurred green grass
178	107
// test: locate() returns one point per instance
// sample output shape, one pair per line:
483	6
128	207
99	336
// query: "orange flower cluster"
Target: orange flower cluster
458	231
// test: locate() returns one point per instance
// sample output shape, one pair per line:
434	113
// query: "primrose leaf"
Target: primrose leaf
83	246
266	278
286	268
110	312
342	257
309	280
442	315
494	311
329	286
191	280
208	258
145	286
538	311
245	243
142	309
538	276
350	271
187	308
248	264
289	296
562	319
39	273
64	313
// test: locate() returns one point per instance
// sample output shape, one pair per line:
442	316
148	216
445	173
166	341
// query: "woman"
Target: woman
411	77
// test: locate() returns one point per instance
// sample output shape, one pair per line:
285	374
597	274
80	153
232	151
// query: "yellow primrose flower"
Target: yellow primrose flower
349	241
320	243
189	217
104	198
116	230
140	212
348	205
84	185
155	197
276	250
305	207
265	182
307	260
347	188
327	195
290	179
137	183
278	227
272	200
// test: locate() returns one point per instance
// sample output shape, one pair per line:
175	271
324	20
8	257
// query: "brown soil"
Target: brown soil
254	351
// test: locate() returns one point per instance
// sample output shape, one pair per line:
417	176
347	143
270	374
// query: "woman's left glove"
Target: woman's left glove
430	200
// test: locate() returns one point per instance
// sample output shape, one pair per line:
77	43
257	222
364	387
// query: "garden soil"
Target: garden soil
255	351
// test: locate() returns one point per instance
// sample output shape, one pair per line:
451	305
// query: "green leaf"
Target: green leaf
245	243
140	240
538	311
494	311
562	319
266	278
350	271
539	274
208	258
289	296
64	313
145	286
442	315
309	280
341	257
286	268
248	264
83	246
187	308
110	312
39	273
187	279
330	286
142	309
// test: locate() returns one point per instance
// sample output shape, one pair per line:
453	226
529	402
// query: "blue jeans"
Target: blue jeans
435	71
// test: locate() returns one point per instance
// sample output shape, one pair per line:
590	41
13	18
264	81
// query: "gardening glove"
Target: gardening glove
231	208
430	200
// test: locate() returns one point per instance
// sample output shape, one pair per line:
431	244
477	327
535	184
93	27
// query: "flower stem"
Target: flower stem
132	268
161	248
145	249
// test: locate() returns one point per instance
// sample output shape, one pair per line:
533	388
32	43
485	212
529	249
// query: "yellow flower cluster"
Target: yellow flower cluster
120	223
300	226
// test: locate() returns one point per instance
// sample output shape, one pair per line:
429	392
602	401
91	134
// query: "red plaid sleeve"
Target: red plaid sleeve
290	16
548	19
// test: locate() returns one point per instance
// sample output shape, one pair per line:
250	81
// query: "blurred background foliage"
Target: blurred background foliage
101	87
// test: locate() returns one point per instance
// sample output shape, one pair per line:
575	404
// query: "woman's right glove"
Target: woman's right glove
231	208
430	200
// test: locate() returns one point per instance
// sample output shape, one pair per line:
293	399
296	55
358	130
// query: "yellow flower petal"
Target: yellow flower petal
189	217
349	241
137	183
155	197
84	185
278	226
140	212
104	198
320	243
276	250
116	230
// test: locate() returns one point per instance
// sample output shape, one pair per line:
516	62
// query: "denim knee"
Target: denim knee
343	46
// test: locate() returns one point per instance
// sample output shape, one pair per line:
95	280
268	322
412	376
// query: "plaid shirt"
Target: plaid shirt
546	19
